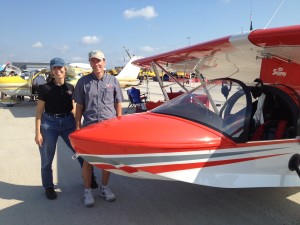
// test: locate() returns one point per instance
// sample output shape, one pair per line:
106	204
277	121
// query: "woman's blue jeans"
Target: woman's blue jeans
51	128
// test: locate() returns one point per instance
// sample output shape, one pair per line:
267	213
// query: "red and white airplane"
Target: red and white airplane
237	130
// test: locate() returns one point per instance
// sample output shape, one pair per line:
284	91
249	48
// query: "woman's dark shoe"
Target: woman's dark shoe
50	193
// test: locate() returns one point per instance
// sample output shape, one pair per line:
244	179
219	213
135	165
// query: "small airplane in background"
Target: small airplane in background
15	87
239	129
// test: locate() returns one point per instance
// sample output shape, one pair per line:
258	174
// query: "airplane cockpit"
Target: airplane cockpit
276	117
252	112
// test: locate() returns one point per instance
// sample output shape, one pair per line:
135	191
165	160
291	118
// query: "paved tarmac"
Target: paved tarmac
139	202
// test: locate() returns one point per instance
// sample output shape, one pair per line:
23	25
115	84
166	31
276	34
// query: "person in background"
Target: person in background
37	81
98	97
11	74
54	117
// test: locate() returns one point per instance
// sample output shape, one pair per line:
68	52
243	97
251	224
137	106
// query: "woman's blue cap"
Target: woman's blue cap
57	62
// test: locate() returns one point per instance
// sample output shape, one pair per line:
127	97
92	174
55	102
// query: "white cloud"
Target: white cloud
87	40
147	12
148	49
37	45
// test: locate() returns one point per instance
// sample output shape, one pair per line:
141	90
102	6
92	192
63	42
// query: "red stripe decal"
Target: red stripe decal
176	167
105	166
126	169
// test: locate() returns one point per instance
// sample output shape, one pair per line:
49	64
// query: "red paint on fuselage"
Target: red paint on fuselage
147	133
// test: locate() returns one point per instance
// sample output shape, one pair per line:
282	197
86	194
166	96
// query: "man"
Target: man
98	97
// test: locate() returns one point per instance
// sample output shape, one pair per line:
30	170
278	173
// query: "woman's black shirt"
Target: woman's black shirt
58	99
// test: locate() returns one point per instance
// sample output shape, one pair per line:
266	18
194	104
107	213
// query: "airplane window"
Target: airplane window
233	113
219	104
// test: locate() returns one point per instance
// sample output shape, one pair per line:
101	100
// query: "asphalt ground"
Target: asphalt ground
139	201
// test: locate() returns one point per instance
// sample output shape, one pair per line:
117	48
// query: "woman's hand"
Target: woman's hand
39	139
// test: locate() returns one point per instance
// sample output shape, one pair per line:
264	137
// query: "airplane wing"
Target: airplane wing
243	56
75	69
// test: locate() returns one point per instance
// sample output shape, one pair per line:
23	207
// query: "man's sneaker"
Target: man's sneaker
94	184
88	198
50	193
106	193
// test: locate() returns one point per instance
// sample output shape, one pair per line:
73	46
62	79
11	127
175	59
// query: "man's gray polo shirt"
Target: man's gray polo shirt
98	97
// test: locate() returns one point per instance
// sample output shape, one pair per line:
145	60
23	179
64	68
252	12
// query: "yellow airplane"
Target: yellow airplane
13	88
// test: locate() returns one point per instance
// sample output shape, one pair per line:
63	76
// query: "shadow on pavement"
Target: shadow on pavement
23	110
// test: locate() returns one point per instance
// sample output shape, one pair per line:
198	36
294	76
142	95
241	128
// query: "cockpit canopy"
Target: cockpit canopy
228	106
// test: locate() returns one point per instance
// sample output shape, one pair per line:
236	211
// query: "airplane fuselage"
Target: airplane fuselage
248	134
15	86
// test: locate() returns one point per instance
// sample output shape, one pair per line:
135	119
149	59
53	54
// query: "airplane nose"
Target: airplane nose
143	133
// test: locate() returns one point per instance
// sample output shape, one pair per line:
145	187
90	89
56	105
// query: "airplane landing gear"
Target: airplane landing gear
294	164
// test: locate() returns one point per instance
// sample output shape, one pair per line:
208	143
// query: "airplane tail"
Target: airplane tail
130	71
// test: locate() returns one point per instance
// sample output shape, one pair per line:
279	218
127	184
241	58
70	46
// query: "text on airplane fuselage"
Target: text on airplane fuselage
279	72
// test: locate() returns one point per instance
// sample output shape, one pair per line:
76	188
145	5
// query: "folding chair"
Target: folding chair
136	99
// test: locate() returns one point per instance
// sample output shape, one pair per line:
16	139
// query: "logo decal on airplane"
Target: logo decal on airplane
279	72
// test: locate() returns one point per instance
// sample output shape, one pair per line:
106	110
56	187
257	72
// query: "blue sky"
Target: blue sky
38	30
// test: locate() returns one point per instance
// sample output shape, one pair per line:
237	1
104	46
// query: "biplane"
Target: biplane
238	129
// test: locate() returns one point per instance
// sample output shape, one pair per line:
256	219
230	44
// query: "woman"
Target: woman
54	117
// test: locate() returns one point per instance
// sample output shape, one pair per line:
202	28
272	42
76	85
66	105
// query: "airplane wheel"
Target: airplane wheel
294	163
